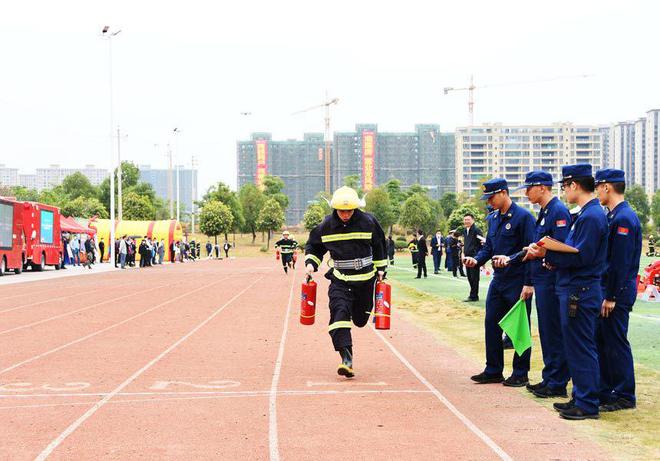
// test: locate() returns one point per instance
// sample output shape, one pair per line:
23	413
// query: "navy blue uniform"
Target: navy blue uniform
553	221
507	234
579	278
351	291
617	374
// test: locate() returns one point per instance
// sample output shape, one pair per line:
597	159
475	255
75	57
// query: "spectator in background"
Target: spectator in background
422	251
472	239
123	251
226	247
75	249
101	249
391	249
436	250
161	251
209	248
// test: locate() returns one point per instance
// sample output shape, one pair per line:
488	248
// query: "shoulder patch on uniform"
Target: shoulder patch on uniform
622	230
560	223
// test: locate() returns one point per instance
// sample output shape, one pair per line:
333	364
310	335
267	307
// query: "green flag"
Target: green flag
516	325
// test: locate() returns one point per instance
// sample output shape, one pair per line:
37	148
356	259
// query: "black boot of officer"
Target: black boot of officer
346	366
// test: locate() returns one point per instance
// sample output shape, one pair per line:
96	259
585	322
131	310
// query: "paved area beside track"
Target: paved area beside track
208	360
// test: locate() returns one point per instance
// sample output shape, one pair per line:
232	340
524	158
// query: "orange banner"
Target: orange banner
368	160
262	162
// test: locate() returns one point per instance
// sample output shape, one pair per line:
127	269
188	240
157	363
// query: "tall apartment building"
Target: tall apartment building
160	181
299	163
510	151
8	176
633	147
424	156
652	151
55	174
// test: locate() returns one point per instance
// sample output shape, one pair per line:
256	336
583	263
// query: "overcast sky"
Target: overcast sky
197	65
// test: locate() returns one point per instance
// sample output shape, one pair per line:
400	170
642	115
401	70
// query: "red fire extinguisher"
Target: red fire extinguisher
383	305
277	255
308	302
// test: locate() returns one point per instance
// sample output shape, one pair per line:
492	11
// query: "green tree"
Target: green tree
24	194
85	208
397	197
222	193
54	196
137	207
273	187
655	209
215	219
380	205
271	218
448	202
353	181
416	214
77	185
639	201
313	216
456	217
130	175
251	199
416	189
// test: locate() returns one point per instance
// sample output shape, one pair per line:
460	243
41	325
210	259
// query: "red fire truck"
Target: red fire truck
43	237
12	238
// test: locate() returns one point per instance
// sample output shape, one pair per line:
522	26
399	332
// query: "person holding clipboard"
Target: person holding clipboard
579	289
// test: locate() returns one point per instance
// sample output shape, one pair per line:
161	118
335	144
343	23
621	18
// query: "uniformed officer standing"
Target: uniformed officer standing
286	247
554	220
412	246
357	247
617	374
579	290
510	228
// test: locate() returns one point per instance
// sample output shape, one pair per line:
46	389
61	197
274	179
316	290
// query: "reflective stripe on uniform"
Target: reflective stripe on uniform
354	278
340	324
313	258
380	262
347	236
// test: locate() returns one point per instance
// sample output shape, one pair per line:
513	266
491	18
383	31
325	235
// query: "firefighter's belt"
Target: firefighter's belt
354	264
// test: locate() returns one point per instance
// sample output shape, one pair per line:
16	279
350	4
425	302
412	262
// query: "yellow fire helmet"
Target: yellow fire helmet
346	198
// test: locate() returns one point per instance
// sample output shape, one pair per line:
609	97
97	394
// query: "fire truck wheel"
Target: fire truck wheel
3	266
18	270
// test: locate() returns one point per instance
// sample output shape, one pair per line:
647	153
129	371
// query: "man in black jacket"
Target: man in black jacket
422	251
471	246
357	247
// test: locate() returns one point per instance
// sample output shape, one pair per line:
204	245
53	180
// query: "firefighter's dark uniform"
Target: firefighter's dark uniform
286	247
361	242
412	246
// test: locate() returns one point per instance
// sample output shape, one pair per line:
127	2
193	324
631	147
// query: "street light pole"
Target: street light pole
106	34
178	155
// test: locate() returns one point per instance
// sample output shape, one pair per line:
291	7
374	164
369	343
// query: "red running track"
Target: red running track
208	361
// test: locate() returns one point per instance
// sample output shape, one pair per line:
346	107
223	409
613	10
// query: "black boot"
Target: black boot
346	366
286	269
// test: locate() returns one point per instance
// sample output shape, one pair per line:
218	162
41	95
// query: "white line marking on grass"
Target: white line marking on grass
469	424
645	317
69	430
440	276
91	335
272	401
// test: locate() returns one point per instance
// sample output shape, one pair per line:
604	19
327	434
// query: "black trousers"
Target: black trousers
349	302
473	278
421	265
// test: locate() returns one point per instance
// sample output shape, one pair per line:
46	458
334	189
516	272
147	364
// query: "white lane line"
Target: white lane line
77	423
464	419
96	333
219	395
272	401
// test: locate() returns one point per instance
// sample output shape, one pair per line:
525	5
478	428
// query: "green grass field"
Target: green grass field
436	304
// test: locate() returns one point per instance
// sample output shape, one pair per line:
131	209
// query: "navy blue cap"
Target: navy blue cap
493	186
537	178
610	175
580	170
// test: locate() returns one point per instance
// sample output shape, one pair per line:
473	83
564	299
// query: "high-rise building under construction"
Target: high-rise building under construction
424	156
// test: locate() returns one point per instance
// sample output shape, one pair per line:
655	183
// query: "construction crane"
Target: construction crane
471	87
326	156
